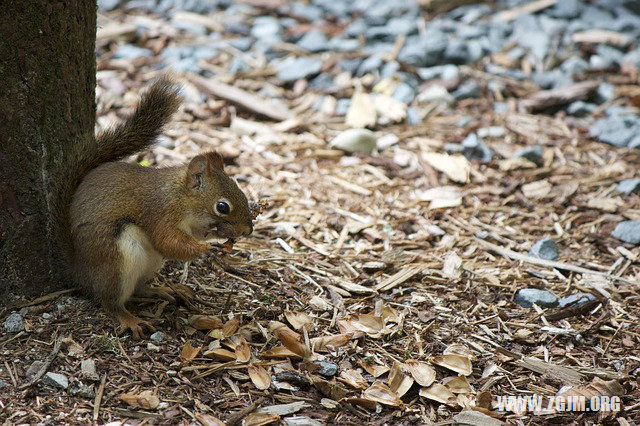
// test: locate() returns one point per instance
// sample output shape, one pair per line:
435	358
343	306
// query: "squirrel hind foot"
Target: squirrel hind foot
128	321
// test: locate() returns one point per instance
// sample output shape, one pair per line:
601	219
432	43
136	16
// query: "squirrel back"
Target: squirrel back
139	131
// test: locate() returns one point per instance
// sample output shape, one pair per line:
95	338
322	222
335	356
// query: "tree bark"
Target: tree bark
47	102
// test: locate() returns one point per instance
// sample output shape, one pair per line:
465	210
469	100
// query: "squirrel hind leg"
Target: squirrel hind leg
128	321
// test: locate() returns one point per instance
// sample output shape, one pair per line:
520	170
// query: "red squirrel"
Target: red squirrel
124	220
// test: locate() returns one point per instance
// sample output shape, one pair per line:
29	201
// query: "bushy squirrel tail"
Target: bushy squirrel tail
139	131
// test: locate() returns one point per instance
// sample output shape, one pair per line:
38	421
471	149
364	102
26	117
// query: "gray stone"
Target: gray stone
491	132
576	299
3	384
566	9
82	390
453	148
242	43
471	31
552	79
189	27
357	27
403	25
501	107
129	51
404	93
107	5
310	12
474	148
323	81
350	65
605	92
629	186
435	93
266	27
56	379
370	64
468	89
13	323
327	369
88	369
313	41
544	249
580	108
456	52
449	72
614	130
628	231
531	153
635	142
342	106
413	116
344	44
292	69
389	69
423	51
526	298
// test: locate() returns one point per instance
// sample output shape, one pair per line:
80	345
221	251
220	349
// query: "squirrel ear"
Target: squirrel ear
215	160
197	167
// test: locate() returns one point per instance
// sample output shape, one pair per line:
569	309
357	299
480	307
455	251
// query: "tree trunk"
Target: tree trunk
47	102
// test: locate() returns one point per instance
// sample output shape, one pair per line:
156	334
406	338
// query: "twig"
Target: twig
98	400
13	379
45	366
546	263
235	418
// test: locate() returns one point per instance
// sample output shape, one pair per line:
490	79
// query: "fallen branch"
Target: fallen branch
235	418
241	98
560	96
546	263
47	363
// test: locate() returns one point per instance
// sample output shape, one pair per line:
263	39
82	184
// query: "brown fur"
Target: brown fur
126	219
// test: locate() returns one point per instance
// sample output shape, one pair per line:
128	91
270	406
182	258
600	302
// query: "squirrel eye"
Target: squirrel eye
222	207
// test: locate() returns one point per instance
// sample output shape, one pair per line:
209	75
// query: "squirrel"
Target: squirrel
121	221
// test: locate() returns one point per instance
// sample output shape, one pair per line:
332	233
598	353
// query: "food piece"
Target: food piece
256	208
228	245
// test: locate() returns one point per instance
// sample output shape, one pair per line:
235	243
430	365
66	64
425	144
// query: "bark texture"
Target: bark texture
47	103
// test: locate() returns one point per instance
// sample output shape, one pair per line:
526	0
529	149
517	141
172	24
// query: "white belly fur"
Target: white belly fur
140	261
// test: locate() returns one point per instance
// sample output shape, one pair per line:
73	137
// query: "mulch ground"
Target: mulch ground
388	269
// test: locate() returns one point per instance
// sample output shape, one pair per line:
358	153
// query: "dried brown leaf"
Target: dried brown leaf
259	419
279	352
259	376
399	381
422	372
381	393
291	340
230	327
329	343
220	354
209	420
353	378
243	352
597	387
376	370
204	322
189	352
454	362
299	320
146	400
439	393
458	384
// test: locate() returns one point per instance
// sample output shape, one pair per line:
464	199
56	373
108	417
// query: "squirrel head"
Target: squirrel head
220	208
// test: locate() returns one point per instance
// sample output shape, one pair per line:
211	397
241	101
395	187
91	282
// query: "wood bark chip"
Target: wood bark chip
241	98
560	96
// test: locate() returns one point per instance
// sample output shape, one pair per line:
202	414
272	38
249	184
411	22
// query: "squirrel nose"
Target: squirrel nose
248	229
